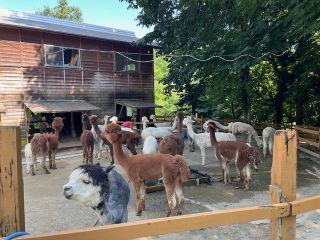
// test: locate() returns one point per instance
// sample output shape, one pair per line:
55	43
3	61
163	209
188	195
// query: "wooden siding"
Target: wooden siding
24	76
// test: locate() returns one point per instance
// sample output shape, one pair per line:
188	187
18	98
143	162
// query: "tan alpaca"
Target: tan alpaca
243	155
150	167
174	143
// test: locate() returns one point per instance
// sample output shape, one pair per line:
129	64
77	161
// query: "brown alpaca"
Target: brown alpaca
243	155
128	138
174	143
57	125
85	121
87	142
149	167
43	145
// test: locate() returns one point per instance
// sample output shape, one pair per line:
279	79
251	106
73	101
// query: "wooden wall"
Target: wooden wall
24	76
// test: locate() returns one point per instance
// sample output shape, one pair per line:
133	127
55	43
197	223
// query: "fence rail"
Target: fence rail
282	211
309	135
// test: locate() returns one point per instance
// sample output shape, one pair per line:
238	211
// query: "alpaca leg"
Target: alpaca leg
50	159
270	147
142	194
203	155
224	171
43	164
171	198
34	158
249	138
247	173
83	156
54	160
136	186
179	193
228	177
264	148
242	177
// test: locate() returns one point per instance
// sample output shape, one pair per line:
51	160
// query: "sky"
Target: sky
108	13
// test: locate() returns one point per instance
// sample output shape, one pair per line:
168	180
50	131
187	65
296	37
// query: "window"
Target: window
123	64
62	57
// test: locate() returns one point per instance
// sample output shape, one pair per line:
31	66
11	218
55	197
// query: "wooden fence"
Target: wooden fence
308	135
282	210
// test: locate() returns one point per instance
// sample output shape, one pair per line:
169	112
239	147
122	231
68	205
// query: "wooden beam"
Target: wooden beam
11	183
283	182
305	205
307	151
307	130
313	143
158	226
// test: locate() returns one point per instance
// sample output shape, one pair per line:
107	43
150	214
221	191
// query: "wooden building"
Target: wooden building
49	65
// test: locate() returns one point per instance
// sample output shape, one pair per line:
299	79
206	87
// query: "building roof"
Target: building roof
32	21
58	106
137	103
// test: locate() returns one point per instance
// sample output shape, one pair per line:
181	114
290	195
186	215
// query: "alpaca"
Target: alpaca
267	138
98	142
57	125
203	139
244	128
114	119
243	155
150	167
102	189
156	124
53	143
158	132
150	145
129	139
87	142
174	143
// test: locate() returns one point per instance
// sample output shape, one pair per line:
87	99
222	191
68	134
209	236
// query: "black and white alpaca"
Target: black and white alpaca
102	189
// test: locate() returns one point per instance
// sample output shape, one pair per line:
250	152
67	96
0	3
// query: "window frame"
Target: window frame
63	65
127	62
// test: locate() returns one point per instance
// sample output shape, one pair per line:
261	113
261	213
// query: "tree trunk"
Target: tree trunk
246	108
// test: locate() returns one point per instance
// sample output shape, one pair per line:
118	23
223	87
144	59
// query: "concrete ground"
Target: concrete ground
46	209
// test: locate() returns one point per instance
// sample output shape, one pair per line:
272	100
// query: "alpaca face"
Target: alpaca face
81	187
113	133
188	120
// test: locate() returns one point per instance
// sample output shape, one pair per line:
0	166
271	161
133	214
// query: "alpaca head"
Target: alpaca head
87	184
254	156
114	119
113	132
145	119
93	119
84	117
106	118
188	120
153	117
211	126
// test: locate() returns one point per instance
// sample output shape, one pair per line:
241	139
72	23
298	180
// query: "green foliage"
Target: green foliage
168	101
276	84
63	11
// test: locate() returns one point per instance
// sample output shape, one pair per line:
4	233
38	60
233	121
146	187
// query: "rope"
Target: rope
16	234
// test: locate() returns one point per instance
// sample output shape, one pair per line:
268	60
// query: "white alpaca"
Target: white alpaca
244	128
158	132
267	138
97	140
114	119
163	124
150	145
28	158
203	139
218	125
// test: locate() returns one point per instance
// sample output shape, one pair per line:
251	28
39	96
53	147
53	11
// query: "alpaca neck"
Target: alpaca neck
174	125
56	133
190	130
144	125
180	125
97	129
213	138
121	157
106	121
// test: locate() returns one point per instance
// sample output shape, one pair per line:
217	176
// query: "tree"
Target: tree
273	31
63	11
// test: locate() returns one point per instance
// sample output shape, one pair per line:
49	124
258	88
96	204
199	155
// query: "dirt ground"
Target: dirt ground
46	210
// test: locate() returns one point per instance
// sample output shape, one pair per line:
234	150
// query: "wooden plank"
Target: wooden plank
11	183
305	205
307	130
283	182
313	143
158	226
307	151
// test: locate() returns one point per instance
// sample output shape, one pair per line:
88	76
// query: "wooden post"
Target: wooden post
73	129
11	183
283	182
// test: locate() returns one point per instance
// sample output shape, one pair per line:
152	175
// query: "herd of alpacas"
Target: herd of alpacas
107	192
